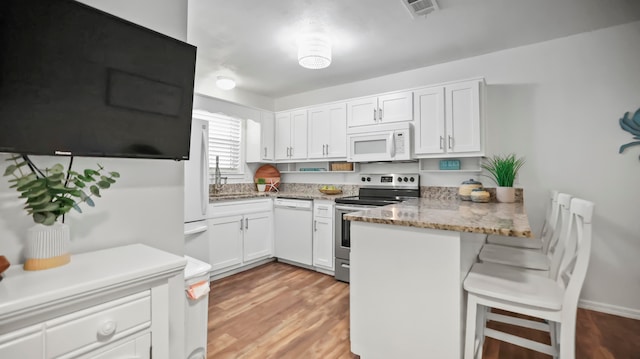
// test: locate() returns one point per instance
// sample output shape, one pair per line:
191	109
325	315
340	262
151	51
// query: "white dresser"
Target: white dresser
104	304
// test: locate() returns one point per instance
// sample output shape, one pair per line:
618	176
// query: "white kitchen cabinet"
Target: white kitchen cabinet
241	232
291	135
268	136
328	131
103	304
449	120
225	242
260	138
388	108
257	243
323	236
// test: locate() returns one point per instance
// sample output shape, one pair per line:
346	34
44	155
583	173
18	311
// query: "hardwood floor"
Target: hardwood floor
281	311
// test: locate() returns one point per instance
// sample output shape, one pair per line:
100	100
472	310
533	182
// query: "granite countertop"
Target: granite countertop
508	219
288	194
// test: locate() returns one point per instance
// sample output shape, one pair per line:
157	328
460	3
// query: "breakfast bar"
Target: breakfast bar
408	261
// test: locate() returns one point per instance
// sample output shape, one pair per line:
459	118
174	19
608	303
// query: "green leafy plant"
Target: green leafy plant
503	169
261	181
51	193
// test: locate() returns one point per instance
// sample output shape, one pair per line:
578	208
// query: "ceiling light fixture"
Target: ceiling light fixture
314	51
225	83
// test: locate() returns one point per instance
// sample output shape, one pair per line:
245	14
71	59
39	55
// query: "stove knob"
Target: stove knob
406	179
363	179
368	179
399	179
412	179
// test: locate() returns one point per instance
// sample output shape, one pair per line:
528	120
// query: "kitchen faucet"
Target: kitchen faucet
217	178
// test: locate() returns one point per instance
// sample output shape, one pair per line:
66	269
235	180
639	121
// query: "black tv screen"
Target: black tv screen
78	81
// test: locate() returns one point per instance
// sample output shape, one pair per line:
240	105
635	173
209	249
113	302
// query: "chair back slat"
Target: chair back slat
557	249
578	250
550	222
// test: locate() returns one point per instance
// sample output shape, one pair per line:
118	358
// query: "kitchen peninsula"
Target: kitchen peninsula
408	262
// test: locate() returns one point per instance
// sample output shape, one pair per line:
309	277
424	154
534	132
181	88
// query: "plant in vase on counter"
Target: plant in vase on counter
49	194
261	184
503	170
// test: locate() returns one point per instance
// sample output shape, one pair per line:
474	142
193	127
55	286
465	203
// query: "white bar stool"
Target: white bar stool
554	299
530	258
548	226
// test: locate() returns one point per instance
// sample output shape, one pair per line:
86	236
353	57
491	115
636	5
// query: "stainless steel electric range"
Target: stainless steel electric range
375	190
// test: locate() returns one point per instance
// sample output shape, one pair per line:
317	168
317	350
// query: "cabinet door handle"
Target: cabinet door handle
374	115
327	149
315	226
246	223
241	224
380	114
441	142
290	151
265	152
344	265
450	142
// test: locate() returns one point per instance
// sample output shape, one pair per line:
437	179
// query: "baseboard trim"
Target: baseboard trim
610	309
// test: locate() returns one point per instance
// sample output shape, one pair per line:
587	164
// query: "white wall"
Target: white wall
557	103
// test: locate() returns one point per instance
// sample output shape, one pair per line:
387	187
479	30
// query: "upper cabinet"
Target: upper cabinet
393	107
328	131
268	136
291	135
449	120
260	138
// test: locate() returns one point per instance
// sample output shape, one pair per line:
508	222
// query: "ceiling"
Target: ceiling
254	41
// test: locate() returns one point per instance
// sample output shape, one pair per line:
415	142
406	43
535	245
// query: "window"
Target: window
225	141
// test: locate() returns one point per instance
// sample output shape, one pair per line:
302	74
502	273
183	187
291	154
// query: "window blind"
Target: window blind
225	137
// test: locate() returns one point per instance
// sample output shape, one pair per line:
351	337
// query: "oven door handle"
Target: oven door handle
353	209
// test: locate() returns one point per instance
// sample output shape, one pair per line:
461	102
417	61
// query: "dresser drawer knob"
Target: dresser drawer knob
108	328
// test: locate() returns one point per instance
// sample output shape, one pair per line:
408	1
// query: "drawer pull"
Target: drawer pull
108	328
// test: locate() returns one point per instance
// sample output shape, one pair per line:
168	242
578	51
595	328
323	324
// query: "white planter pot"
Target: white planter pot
506	194
47	246
261	187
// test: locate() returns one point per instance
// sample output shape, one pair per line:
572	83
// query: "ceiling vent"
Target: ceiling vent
419	8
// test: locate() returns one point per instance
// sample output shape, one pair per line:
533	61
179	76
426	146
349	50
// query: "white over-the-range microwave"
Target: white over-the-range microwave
388	142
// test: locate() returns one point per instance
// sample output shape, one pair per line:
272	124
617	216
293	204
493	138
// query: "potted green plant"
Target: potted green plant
49	194
503	170
261	183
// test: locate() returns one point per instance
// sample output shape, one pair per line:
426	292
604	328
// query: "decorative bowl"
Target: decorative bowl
331	191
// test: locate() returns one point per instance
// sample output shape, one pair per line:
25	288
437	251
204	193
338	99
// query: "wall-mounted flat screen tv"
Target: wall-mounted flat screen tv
78	81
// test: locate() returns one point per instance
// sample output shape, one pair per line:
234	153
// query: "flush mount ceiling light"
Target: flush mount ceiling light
314	51
225	83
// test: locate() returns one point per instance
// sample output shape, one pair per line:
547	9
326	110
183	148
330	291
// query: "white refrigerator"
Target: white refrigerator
196	192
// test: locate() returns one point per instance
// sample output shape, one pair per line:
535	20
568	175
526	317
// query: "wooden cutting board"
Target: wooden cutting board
270	174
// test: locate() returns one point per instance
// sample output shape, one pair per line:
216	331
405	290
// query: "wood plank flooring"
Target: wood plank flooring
281	311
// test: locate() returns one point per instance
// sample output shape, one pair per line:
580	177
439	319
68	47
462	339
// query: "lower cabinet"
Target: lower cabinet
111	303
240	233
225	241
323	236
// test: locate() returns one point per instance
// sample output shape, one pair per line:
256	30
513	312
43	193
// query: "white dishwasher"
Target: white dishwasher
293	230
